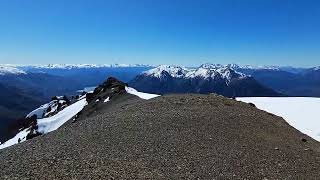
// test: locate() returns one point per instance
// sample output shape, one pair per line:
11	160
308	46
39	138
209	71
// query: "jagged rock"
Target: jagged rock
107	89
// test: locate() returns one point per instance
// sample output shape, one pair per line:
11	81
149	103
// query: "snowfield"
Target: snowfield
21	136
49	124
52	123
140	94
300	112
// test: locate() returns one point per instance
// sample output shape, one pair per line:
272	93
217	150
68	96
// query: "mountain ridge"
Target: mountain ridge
173	136
207	78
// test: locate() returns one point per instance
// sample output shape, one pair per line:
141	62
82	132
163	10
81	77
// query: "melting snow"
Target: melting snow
300	112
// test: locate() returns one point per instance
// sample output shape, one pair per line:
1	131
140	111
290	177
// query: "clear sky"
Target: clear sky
182	32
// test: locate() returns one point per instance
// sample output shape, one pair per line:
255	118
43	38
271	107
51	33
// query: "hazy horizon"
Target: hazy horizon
153	65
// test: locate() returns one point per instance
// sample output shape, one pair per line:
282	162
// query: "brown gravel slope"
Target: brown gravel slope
170	137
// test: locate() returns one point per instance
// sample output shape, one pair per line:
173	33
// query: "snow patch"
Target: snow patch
140	94
300	112
20	137
107	100
49	124
52	123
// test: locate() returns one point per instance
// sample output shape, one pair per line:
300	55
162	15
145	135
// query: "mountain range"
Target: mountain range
208	78
29	86
302	82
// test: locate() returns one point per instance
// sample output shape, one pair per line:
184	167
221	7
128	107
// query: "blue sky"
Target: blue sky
182	32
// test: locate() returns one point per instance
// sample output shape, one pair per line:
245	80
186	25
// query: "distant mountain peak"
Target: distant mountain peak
316	68
214	71
75	66
7	69
163	70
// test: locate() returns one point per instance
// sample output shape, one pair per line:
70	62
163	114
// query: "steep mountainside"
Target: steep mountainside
14	104
207	78
42	84
169	137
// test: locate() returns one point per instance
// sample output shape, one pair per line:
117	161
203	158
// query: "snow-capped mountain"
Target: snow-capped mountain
316	68
204	71
8	69
76	66
208	78
216	72
163	70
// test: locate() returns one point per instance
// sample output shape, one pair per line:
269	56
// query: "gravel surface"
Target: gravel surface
169	137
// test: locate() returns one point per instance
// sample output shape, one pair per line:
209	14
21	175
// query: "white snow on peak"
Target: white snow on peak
9	69
204	71
174	71
211	66
316	68
141	94
237	66
300	112
228	73
77	66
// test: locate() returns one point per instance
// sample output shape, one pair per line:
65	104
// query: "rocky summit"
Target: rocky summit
169	137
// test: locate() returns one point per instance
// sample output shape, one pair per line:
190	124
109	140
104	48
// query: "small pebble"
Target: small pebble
303	140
